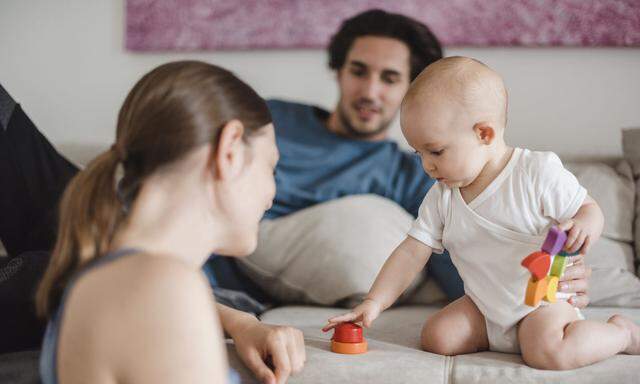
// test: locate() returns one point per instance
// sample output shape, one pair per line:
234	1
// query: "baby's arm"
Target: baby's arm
406	261
585	227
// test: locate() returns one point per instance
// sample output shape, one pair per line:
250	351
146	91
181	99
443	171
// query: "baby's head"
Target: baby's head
454	115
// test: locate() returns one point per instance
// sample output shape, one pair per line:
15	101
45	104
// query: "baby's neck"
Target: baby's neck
489	172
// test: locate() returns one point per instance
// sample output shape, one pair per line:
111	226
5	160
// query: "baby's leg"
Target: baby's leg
552	337
456	329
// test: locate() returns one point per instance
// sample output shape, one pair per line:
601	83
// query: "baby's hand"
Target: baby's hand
581	235
366	312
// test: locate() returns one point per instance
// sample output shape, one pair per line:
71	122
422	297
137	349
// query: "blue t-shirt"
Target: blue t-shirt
316	165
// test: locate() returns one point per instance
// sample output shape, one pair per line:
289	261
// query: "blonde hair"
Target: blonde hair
469	81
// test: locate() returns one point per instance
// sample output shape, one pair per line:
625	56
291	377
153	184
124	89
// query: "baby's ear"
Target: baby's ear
484	132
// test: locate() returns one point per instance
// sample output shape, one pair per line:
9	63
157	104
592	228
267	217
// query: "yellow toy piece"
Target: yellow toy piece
552	288
536	290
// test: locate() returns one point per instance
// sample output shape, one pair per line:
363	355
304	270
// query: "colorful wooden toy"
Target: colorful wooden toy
543	283
552	288
555	241
536	290
538	264
347	338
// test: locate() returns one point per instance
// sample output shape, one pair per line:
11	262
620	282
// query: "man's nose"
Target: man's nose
371	88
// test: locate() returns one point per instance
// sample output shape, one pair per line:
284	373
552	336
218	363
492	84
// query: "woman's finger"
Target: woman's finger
581	300
254	362
575	260
575	271
280	358
296	355
573	286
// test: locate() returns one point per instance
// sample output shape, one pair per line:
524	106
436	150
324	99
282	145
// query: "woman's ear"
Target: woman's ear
484	132
229	156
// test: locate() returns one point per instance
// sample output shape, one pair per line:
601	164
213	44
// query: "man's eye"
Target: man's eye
390	80
357	73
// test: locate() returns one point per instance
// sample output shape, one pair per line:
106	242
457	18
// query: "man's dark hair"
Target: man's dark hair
423	44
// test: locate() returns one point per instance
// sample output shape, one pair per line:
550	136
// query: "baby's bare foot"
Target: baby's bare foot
634	332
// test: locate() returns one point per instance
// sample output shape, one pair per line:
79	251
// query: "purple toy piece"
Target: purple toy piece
555	241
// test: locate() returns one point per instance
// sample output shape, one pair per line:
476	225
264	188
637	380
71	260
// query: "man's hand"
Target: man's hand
366	312
576	281
271	352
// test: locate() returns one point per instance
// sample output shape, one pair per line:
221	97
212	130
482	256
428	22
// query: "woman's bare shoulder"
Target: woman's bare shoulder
151	306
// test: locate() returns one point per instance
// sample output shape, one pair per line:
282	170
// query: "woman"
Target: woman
126	298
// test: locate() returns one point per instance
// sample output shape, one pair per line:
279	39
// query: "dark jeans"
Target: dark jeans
32	178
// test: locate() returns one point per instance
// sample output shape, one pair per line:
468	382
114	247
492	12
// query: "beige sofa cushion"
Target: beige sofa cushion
631	150
394	355
329	252
613	282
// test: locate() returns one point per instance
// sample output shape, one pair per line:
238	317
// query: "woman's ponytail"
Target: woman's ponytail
90	211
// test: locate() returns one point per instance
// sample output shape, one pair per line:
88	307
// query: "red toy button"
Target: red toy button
347	333
347	338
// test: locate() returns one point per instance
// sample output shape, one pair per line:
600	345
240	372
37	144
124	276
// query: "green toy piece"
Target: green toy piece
560	263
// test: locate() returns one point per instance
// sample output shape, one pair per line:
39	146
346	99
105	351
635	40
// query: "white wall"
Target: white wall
65	62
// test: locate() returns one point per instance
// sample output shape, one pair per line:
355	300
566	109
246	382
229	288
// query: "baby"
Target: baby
492	206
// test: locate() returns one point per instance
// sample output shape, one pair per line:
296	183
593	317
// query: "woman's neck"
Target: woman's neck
169	224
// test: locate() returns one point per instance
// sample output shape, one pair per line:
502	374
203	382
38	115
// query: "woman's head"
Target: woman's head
181	119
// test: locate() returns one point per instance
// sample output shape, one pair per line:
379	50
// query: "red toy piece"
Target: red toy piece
347	338
538	264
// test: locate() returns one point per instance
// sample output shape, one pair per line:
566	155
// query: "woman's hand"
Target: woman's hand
576	281
367	312
271	352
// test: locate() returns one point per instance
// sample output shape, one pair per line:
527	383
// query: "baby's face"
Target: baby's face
441	132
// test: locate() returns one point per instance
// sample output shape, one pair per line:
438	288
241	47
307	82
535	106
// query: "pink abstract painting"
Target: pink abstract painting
169	25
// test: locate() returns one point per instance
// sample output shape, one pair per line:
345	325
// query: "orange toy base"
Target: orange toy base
349	348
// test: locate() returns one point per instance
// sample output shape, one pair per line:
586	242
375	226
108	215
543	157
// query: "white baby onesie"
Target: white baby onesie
488	237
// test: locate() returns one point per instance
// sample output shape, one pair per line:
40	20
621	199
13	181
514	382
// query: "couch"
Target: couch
311	273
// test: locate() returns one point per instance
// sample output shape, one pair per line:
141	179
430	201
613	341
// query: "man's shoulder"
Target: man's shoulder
279	106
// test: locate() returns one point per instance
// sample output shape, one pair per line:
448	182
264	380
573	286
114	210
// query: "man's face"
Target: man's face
372	81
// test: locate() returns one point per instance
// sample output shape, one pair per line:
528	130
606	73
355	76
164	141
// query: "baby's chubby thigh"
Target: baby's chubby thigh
542	331
456	329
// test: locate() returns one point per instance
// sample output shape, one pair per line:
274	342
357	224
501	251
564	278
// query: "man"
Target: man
329	155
